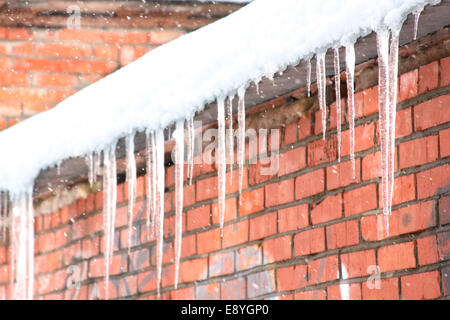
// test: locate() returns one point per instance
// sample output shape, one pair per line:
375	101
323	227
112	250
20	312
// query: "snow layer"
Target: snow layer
179	78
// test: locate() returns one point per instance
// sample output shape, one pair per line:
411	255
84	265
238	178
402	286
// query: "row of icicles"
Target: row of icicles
21	227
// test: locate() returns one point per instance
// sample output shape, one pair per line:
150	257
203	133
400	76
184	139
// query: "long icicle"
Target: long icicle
383	105
109	207
131	178
350	73
190	147
159	225
241	135
154	183
337	84
393	74
230	137
221	160
308	77
149	208
179	178
30	243
321	85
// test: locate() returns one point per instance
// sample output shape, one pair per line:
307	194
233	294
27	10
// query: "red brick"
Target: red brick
230	211
290	133
304	128
291	278
248	257
309	242
221	264
277	249
444	210
444	245
358	263
309	184
318	123
158	37
403	125
430	182
261	171
364	139
263	226
19	34
321	151
408	85
371	165
341	175
189	195
428	77
427	251
193	270
419	151
184	294
101	36
421	286
360	200
235	233
293	218
404	189
291	161
353	292
260	283
210	291
424	119
279	192
359	101
396	257
342	234
63	50
310	295
11	78
323	270
233	289
388	290
106	52
444	145
251	202
199	217
208	241
445	71
333	114
329	209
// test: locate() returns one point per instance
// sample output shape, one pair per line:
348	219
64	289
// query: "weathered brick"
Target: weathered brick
419	151
291	278
309	184
360	200
396	257
221	264
277	249
388	290
279	192
293	218
358	263
350	291
427	250
260	283
364	138
329	209
309	242
208	241
230	211
424	119
372	165
251	202
445	71
292	160
263	226
320	151
323	270
233	289
428	77
235	233
290	133
158	37
421	286
408	85
310	295
199	217
444	210
341	175
193	270
444	145
433	181
248	257
342	234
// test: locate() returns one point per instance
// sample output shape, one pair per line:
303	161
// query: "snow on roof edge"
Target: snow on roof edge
181	77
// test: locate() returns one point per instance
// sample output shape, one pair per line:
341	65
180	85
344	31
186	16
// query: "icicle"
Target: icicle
241	135
321	85
58	168
221	161
97	164
383	103
131	178
337	82
393	74
22	246
159	223
350	73
308	77
109	207
190	147
230	137
179	178
149	180
91	168
416	21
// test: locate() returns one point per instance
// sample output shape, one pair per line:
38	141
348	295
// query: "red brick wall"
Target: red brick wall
295	235
41	67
